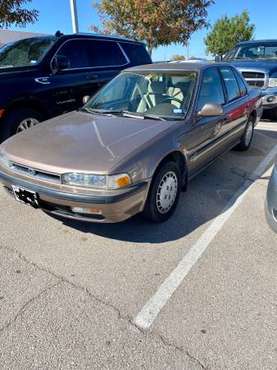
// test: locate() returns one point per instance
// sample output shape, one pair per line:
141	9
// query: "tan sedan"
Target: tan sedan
133	147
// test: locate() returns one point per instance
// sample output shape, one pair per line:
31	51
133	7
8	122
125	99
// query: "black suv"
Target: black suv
42	77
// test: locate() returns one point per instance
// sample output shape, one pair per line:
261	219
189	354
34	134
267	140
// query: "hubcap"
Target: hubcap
167	192
26	123
249	133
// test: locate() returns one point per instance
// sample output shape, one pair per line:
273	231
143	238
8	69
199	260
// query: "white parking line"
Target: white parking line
155	304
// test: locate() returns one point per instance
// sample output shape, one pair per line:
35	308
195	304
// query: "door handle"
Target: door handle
92	77
43	80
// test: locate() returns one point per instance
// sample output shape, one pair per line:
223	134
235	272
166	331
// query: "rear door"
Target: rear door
90	63
236	108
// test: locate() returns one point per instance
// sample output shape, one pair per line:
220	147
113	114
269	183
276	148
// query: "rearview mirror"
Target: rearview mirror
209	110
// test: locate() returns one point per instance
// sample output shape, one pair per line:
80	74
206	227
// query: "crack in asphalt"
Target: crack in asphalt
61	279
26	304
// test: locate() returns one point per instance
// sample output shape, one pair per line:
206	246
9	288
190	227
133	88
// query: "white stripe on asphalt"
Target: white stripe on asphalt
155	304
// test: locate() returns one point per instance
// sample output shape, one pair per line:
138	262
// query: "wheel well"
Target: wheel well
178	158
253	115
29	104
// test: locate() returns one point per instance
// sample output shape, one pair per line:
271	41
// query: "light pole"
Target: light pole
74	16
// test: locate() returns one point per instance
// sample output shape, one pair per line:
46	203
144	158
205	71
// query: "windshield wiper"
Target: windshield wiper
100	111
124	113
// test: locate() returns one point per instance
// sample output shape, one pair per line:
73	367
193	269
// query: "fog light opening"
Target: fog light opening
86	211
270	99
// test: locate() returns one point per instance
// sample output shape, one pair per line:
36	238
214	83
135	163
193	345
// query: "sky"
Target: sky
55	15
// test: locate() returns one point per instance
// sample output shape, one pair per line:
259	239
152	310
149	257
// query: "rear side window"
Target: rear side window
242	85
104	53
231	84
92	53
211	90
136	53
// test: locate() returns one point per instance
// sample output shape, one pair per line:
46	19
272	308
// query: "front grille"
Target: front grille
34	173
255	79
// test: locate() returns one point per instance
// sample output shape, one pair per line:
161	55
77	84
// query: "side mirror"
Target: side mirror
59	63
86	99
210	110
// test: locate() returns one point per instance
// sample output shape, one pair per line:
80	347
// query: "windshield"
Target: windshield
261	51
160	94
25	52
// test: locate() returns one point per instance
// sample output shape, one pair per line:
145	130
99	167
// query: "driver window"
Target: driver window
211	90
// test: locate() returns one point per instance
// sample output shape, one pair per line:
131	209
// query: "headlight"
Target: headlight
96	181
4	160
272	82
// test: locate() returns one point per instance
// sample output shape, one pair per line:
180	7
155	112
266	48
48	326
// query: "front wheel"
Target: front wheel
19	120
247	137
164	193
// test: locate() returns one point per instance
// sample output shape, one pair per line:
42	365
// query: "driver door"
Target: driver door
206	131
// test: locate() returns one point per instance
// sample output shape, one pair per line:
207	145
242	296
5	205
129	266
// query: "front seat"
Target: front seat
155	95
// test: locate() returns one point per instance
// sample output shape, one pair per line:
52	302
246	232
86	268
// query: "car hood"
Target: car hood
80	141
266	65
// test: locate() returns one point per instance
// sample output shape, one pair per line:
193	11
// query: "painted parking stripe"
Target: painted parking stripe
152	308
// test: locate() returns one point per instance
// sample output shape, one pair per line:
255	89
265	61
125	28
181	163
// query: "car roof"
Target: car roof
100	37
94	36
176	67
266	41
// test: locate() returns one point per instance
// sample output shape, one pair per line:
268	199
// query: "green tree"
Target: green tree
156	22
227	32
12	12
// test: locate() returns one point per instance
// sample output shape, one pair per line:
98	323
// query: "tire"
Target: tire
14	122
247	137
159	206
272	114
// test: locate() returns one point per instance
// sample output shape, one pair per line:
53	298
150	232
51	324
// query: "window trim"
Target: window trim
93	67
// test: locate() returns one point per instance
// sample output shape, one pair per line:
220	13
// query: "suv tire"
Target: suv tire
16	118
164	193
272	114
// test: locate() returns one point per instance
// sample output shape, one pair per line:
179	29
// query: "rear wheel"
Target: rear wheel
20	120
164	193
247	137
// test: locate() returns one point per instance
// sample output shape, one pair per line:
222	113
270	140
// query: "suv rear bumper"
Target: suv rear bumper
93	208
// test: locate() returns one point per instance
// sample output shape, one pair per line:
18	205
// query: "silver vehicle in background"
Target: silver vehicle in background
271	200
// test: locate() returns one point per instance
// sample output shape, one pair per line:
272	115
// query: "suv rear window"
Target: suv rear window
136	53
92	53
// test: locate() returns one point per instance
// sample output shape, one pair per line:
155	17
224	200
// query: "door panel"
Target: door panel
206	131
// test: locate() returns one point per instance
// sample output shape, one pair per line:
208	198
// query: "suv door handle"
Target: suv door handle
92	77
43	80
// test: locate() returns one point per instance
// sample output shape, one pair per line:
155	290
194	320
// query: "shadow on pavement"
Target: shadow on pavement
205	199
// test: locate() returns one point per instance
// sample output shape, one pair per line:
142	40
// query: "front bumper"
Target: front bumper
102	208
271	201
269	98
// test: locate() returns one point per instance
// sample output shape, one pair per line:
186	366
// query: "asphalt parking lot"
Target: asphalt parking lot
198	292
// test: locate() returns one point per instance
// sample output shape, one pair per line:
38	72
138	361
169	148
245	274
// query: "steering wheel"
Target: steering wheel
172	98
